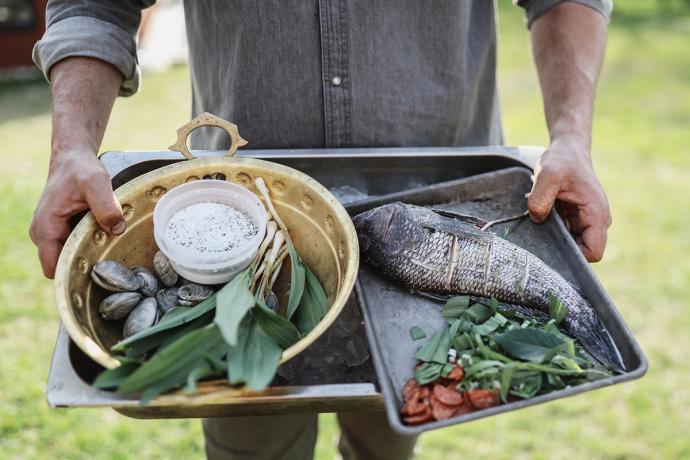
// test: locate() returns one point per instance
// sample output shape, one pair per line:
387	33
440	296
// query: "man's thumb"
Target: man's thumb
106	209
542	197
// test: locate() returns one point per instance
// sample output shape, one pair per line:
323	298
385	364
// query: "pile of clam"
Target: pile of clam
141	296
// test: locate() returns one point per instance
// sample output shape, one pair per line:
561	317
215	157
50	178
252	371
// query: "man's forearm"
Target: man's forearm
84	91
568	43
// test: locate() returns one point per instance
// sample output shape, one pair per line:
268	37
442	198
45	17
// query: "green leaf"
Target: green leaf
528	344
557	309
297	279
454	327
417	333
112	378
436	348
169	366
447	368
462	342
454	306
506	380
164	338
493	304
490	325
255	358
526	384
170	321
282	331
314	303
555	381
197	374
234	301
477	313
428	372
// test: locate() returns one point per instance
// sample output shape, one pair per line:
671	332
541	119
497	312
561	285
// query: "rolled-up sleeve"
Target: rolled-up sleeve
535	8
102	29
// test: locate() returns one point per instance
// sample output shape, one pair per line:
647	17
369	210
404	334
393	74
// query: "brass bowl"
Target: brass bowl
320	227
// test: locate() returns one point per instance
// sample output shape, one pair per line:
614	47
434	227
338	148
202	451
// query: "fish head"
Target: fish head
387	230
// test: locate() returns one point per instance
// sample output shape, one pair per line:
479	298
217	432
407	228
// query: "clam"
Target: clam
113	276
142	317
167	299
164	270
117	306
149	282
190	294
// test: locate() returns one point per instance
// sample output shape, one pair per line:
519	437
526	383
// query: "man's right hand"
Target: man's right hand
77	181
84	90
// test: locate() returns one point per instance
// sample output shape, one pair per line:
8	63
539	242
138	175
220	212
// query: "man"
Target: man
326	73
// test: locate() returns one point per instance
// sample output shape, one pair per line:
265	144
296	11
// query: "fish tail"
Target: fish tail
599	343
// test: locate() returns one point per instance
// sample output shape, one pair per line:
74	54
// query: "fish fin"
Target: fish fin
474	220
601	346
440	298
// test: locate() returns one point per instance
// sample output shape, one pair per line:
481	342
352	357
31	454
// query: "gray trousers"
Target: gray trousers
363	436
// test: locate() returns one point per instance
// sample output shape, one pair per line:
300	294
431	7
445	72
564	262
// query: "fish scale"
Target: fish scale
426	252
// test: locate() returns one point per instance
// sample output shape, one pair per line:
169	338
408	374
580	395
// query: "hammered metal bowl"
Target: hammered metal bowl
319	226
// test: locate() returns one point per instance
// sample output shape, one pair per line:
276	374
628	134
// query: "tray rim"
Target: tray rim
388	391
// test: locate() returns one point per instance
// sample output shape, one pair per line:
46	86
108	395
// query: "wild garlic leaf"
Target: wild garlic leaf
428	372
171	320
256	357
234	301
112	378
557	309
174	362
454	306
297	280
282	331
314	303
528	344
436	348
417	333
477	313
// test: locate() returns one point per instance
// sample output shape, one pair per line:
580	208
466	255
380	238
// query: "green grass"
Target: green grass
640	149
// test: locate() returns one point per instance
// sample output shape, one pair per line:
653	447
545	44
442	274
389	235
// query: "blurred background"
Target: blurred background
641	152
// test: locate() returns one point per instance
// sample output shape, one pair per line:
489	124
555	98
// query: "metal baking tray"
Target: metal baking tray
333	374
390	311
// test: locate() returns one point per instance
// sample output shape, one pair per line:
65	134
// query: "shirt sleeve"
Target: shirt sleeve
101	29
535	8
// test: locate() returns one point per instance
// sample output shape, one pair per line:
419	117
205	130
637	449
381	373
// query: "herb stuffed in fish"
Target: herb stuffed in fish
427	252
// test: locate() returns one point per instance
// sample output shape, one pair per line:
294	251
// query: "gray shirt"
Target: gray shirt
317	73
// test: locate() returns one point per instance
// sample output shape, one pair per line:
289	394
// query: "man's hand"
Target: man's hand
564	176
77	181
568	42
84	90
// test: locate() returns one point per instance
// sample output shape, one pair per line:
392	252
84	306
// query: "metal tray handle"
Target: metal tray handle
207	119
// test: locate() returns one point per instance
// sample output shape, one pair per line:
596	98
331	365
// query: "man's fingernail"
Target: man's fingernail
118	228
534	219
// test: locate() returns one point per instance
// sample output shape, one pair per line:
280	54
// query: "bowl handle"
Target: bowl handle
207	119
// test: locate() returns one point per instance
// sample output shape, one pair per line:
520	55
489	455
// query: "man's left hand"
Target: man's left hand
564	176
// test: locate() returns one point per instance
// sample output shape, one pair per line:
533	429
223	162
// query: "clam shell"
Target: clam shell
190	294
117	306
142	317
113	276
148	281
164	270
167	299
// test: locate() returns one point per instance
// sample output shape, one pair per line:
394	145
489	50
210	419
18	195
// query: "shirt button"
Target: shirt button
336	81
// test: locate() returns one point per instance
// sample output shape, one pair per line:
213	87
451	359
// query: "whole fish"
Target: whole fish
424	251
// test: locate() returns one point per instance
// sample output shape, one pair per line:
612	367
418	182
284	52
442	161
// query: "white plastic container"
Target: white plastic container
210	191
